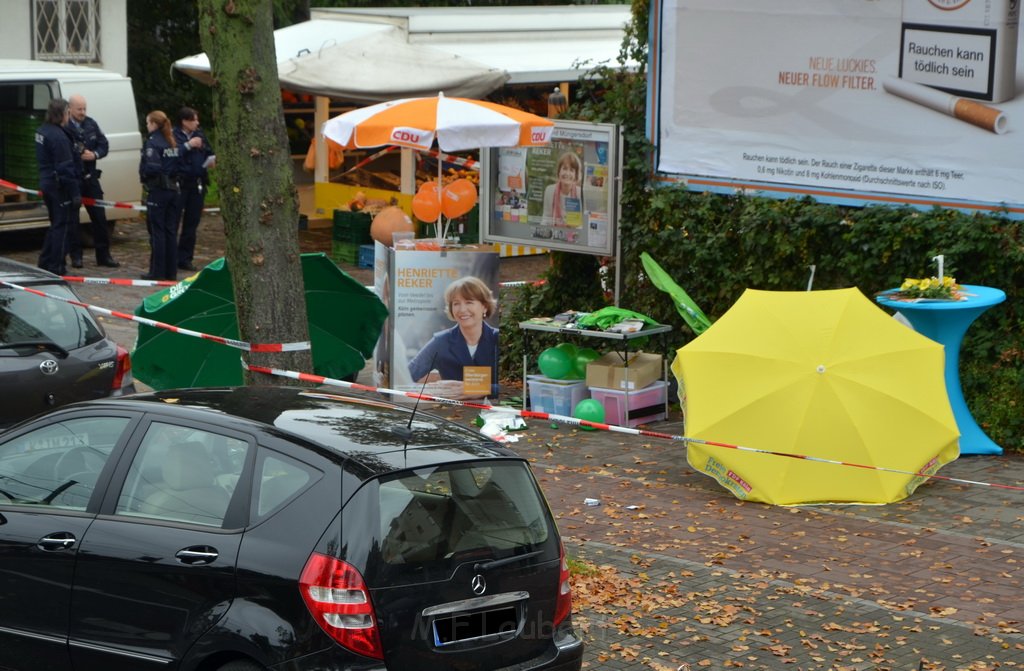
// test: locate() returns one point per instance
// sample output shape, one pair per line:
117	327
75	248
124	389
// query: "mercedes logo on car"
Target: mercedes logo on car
478	584
49	367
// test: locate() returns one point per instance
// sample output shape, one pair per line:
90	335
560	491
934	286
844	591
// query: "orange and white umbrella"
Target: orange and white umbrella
457	124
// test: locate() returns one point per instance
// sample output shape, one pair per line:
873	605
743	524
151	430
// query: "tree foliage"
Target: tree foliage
258	198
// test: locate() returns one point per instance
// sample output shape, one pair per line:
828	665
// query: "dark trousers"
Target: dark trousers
98	218
190	204
56	243
161	208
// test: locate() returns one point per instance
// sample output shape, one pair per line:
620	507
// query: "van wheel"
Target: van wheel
241	665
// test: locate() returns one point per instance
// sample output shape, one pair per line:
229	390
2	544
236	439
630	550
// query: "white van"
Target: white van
26	88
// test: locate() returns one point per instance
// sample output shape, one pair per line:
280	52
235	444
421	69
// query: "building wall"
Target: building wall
18	30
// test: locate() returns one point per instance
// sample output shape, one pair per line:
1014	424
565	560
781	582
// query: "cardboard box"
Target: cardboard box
609	372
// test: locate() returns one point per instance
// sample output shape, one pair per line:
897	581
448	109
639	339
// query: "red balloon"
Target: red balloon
458	198
426	205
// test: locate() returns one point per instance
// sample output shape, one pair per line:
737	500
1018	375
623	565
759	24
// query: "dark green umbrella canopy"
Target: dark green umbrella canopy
345	320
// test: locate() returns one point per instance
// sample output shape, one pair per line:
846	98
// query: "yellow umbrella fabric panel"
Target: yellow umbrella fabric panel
824	374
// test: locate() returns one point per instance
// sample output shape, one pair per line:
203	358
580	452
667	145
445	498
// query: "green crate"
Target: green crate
344	252
352	227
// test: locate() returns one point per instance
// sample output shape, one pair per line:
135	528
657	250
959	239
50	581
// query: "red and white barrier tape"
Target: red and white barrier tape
573	421
369	159
119	281
85	201
457	160
230	342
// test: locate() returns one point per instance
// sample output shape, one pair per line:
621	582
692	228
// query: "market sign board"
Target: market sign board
560	196
916	102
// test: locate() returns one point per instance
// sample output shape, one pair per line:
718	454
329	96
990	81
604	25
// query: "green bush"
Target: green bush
715	246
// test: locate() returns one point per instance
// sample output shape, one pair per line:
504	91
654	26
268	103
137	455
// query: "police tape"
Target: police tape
117	281
85	200
574	421
230	342
457	160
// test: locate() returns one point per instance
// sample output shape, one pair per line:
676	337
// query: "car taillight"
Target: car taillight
123	371
563	604
337	597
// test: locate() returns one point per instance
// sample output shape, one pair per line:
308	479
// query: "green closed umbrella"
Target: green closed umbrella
345	321
688	310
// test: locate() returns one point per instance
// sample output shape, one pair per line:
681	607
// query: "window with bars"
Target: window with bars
67	30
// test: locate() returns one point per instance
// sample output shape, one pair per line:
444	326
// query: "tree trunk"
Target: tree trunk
254	174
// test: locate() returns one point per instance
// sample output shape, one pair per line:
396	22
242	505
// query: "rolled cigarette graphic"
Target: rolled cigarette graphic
982	116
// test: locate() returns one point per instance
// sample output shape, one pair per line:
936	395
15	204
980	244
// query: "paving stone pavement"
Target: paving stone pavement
674	572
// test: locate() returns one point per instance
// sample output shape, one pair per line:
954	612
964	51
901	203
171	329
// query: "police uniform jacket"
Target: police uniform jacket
160	167
192	159
58	168
90	137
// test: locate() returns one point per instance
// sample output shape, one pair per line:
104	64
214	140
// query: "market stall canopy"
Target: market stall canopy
365	63
533	45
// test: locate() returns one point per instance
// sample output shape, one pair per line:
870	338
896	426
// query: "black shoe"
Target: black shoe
76	263
147	276
108	262
187	265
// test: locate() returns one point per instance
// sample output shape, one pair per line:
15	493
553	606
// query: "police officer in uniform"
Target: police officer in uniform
58	180
196	157
160	170
92	145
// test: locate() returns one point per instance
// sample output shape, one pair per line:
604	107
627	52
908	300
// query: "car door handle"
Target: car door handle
62	540
198	554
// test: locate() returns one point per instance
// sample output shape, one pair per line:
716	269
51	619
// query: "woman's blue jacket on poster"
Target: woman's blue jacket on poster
447	352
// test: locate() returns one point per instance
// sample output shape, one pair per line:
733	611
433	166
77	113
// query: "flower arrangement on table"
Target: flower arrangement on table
928	288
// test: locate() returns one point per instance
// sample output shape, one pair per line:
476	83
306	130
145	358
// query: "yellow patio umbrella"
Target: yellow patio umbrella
819	375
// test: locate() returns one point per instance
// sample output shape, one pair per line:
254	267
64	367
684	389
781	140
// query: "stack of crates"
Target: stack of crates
350	231
19	147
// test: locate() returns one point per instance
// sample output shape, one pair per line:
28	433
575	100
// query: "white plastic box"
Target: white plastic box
556	397
645	405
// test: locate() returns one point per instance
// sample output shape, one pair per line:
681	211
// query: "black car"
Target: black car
273	528
52	352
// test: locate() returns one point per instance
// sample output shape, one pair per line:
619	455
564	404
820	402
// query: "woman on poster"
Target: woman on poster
563	201
471	342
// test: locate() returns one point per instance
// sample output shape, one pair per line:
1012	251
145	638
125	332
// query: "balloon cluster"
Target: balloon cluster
453	200
566	362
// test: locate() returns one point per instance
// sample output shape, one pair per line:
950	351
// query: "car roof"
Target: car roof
359	428
17	272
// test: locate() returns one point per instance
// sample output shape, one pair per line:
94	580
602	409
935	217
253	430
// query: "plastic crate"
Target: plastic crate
344	252
365	256
645	405
352	227
556	397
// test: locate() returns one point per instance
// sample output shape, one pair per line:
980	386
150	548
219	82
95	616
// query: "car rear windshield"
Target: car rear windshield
29	318
433	519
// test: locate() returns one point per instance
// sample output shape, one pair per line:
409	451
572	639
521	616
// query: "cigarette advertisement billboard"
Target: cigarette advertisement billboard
850	101
561	196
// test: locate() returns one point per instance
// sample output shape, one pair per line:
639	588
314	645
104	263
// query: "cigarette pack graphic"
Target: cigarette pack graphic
964	47
970	111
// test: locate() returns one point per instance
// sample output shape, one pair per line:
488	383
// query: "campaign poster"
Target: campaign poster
915	101
559	196
442	332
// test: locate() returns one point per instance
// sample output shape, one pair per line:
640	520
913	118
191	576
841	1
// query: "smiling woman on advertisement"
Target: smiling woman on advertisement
472	342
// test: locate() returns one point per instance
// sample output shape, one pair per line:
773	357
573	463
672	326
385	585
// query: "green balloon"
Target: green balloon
554	363
583	357
569	349
590	410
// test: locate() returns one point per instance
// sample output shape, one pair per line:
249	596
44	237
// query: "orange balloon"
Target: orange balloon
390	220
426	205
431	185
458	198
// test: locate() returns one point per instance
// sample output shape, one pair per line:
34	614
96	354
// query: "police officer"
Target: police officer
160	170
93	146
197	156
58	180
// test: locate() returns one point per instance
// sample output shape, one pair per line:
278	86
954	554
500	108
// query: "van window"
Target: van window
461	512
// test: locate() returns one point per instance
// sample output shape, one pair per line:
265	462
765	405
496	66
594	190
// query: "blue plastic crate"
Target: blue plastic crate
365	256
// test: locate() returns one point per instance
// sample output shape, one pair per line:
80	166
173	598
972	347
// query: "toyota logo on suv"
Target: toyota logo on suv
48	367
